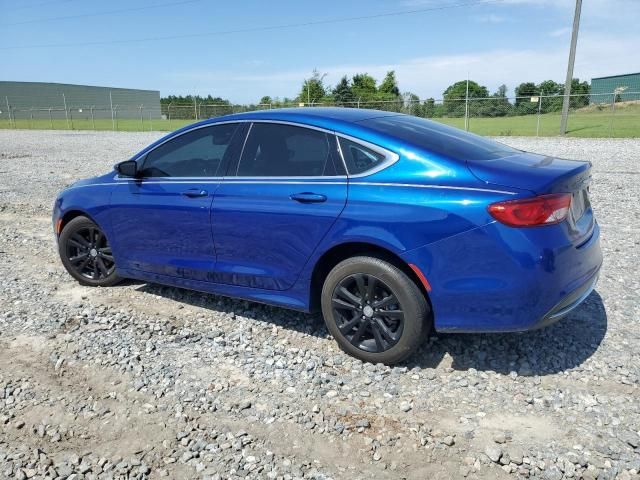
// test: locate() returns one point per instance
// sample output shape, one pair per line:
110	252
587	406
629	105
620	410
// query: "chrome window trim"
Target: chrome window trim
389	157
118	178
303	181
444	187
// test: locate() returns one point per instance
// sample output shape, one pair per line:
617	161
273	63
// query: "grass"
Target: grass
586	122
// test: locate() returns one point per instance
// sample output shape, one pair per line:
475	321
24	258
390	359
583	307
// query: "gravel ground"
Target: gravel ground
145	381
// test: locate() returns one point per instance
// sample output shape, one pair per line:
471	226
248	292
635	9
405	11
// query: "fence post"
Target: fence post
113	121
115	114
538	120
11	124
150	123
93	121
66	113
466	107
195	107
613	112
141	119
50	119
169	114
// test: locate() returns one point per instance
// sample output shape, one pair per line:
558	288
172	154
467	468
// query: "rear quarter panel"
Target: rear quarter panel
420	199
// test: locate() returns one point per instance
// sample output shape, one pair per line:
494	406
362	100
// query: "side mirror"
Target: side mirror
128	168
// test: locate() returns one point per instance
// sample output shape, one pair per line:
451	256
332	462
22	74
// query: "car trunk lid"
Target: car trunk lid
529	171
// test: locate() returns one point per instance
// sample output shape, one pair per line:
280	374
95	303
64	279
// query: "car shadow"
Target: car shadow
564	345
310	324
556	348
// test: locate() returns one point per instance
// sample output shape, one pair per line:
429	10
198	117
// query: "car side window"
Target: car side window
359	158
277	150
198	153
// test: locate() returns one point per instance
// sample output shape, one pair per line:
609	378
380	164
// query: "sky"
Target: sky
242	50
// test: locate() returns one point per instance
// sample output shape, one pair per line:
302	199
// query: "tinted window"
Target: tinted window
275	150
439	138
198	153
359	158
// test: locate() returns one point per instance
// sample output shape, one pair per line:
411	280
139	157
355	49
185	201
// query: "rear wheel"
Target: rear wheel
86	254
374	310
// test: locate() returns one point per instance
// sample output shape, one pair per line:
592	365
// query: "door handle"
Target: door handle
195	192
308	197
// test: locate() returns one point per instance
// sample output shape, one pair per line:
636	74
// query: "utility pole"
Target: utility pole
572	58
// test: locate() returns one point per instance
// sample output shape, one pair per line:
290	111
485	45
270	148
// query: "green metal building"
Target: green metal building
626	88
60	100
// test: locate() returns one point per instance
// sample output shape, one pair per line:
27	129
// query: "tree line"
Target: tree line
363	90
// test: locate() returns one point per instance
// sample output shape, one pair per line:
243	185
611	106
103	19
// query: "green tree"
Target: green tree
549	87
582	89
266	100
524	90
179	106
313	89
343	93
389	86
411	104
455	95
429	108
497	106
551	92
364	87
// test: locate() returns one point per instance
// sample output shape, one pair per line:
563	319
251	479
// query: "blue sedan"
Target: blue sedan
391	225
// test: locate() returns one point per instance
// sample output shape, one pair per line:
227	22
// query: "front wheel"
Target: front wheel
86	254
374	310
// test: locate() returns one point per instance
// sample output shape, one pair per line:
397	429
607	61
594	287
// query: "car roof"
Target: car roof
339	119
327	117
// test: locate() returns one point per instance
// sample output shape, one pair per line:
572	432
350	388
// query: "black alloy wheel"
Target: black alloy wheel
368	313
374	310
86	253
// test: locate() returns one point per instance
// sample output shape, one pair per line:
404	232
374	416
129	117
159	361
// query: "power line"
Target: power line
41	4
253	29
98	14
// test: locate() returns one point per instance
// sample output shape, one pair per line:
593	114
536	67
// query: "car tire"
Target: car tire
357	301
86	254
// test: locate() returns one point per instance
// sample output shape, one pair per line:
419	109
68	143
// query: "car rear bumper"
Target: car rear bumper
501	279
568	303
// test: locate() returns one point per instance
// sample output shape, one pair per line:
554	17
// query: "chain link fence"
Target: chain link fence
597	115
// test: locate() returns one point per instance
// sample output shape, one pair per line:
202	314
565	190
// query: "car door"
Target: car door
273	208
162	220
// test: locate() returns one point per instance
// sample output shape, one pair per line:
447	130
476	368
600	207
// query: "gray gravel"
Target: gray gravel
145	381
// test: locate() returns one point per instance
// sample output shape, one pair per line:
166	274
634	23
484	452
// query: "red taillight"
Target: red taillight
531	212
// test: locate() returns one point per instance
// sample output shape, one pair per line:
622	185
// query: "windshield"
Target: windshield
439	138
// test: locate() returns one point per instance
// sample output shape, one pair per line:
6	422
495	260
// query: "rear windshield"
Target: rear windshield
439	138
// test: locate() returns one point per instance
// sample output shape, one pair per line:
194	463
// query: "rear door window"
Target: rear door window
278	150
